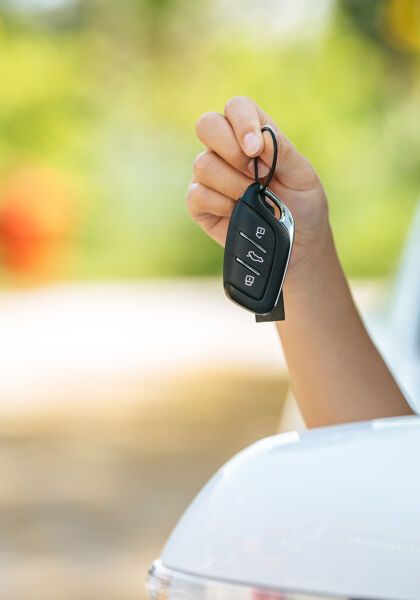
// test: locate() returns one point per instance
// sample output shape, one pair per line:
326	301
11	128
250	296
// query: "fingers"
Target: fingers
203	200
210	210
243	115
215	173
215	131
213	192
246	119
232	140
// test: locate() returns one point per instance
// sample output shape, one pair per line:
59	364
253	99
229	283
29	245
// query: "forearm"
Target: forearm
337	374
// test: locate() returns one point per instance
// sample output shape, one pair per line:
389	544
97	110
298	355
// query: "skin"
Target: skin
336	372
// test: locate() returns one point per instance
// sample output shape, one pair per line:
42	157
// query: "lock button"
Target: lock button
255	228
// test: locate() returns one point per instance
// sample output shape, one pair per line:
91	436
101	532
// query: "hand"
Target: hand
226	168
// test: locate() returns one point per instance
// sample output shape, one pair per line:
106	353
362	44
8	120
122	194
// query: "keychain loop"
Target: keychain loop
273	164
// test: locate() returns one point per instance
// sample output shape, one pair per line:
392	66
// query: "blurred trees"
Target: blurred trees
109	94
393	24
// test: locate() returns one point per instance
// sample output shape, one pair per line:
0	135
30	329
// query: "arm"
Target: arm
336	372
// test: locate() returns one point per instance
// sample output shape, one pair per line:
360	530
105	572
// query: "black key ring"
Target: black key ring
274	162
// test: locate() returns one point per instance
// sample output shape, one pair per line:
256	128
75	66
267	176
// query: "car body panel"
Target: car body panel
331	511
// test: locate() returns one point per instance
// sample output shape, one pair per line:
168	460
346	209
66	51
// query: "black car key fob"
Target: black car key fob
257	251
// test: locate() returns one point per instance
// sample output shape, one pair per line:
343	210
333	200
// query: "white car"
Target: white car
326	513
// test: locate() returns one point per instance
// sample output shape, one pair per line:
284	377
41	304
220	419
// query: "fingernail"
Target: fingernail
262	168
252	143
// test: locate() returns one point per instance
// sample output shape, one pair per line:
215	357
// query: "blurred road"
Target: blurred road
60	342
87	499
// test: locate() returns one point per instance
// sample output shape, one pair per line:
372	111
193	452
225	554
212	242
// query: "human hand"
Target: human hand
226	168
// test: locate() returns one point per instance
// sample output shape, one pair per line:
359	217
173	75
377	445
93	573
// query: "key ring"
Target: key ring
273	164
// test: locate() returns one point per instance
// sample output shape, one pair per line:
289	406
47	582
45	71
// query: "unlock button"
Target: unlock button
241	277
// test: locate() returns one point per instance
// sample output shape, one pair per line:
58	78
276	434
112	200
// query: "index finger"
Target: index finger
243	115
246	118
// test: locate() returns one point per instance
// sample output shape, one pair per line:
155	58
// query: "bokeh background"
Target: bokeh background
126	378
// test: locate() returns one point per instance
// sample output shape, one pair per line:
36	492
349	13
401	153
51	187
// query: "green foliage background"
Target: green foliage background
110	92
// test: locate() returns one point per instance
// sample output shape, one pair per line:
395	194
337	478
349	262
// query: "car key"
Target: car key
258	247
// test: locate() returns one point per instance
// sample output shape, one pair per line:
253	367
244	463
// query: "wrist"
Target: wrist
316	292
313	267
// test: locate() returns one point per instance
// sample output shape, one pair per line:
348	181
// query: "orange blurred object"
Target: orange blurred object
36	221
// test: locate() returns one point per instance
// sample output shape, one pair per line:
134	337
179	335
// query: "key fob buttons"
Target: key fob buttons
250	257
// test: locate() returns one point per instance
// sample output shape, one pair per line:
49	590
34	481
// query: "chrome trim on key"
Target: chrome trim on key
287	220
252	242
247	266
